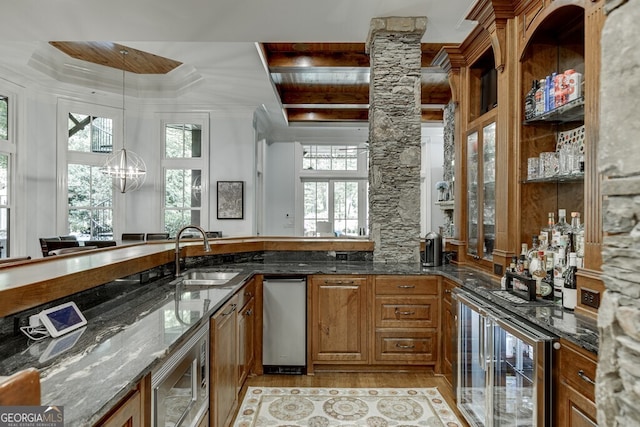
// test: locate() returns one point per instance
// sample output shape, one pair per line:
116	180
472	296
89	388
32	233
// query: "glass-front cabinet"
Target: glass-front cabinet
481	195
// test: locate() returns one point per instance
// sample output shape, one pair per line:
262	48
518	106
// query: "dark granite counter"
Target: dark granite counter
128	337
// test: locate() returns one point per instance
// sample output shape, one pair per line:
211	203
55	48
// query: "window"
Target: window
184	169
7	151
86	194
89	191
334	190
4	118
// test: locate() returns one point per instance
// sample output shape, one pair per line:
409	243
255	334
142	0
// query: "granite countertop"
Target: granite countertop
131	335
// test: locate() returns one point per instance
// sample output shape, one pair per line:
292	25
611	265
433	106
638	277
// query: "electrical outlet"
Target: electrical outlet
590	298
497	269
341	256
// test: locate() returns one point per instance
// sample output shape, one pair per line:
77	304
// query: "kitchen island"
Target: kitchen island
132	333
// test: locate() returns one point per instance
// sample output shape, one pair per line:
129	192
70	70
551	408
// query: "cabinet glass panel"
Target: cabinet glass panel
514	388
489	185
472	365
472	193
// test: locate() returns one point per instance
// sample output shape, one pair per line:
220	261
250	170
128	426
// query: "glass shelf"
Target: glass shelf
570	112
556	179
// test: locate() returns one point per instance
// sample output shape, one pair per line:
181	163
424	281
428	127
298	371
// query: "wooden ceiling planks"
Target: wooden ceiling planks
329	82
109	54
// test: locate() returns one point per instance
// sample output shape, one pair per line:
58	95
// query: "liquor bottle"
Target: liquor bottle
561	228
569	292
523	264
530	101
548	230
578	233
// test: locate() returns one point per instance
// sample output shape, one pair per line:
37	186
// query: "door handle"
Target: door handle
405	346
404	313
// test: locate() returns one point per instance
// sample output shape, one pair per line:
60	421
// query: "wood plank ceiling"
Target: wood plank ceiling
316	83
329	82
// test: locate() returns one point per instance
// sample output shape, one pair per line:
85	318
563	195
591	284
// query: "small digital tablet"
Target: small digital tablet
62	319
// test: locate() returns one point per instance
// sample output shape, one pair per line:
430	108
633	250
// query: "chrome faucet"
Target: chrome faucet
207	247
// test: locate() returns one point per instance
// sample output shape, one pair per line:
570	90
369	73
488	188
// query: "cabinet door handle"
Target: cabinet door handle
406	286
405	346
404	313
233	308
248	294
248	312
584	377
324	329
447	291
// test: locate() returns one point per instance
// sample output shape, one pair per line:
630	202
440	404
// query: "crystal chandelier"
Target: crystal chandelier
126	168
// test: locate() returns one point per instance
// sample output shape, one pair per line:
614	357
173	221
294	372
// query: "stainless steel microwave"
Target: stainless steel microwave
180	386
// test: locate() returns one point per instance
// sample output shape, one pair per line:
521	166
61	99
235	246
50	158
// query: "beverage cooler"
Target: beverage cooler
503	368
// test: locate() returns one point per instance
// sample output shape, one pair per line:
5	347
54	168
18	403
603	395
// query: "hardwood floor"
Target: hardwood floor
372	380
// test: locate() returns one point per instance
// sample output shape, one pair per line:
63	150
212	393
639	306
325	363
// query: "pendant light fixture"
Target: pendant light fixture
126	168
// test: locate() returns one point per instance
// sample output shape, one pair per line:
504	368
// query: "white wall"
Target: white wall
279	189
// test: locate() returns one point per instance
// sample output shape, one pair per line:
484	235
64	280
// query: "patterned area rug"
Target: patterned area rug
324	407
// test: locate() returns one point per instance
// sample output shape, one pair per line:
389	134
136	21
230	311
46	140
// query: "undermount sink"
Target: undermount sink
208	277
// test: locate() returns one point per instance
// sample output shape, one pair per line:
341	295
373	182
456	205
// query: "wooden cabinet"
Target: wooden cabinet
224	364
576	374
134	410
406	319
246	331
338	311
448	328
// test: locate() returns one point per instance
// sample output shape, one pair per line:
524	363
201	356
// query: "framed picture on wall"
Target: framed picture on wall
230	196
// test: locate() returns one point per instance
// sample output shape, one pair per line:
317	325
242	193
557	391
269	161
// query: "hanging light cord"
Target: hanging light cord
124	53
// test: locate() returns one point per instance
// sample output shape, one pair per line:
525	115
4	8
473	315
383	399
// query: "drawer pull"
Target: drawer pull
405	346
406	286
233	308
582	375
404	313
339	282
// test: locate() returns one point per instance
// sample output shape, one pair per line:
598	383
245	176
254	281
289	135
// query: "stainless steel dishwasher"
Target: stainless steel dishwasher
284	320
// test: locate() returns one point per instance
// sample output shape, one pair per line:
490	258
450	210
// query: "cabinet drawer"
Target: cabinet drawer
404	312
246	293
406	285
578	368
403	346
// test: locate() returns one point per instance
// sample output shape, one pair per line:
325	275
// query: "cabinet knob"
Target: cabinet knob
248	312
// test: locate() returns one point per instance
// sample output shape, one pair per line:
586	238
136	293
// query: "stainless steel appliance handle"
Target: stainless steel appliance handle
481	329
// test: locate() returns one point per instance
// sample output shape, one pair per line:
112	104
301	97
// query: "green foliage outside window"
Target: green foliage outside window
4	118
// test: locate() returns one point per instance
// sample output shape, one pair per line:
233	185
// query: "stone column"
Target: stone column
618	376
393	45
